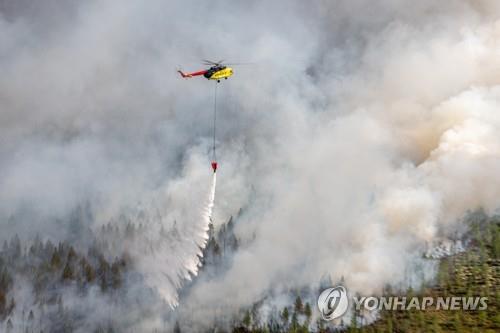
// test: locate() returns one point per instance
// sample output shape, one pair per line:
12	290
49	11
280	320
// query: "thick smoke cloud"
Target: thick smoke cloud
364	131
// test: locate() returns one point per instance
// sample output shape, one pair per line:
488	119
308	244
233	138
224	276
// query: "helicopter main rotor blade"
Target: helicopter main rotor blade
209	62
239	63
222	63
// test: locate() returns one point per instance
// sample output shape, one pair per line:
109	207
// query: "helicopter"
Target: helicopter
218	70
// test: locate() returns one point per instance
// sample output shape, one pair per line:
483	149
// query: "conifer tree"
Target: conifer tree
285	316
68	273
298	305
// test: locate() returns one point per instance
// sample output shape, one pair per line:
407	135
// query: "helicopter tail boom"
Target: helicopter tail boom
188	75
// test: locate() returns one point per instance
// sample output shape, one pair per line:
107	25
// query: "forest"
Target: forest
47	271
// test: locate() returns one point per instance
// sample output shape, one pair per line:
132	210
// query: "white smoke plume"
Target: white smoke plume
365	131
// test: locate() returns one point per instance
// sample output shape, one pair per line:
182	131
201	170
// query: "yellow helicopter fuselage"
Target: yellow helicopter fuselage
221	74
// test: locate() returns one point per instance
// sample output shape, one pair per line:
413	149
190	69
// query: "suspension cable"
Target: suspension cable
215	121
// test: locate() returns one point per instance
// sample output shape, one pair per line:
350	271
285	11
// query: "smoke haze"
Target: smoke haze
364	132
